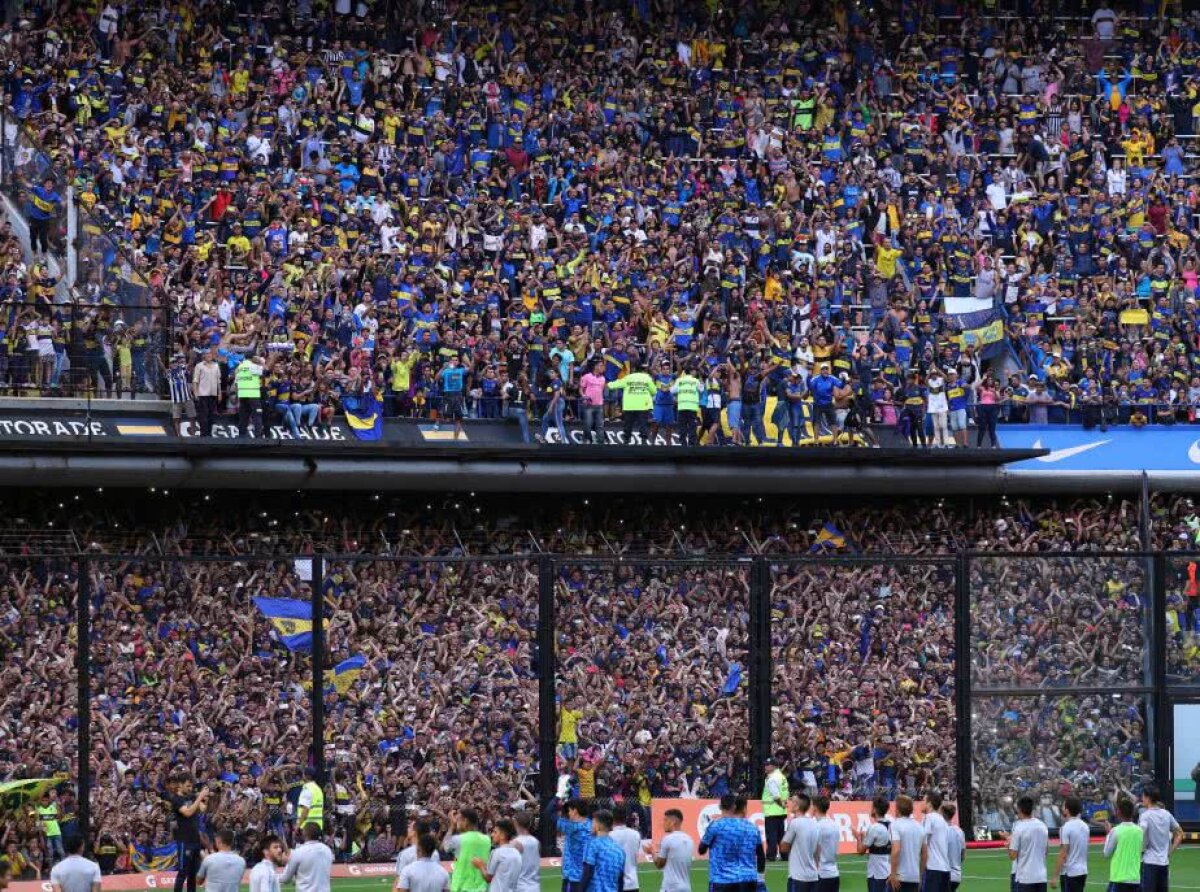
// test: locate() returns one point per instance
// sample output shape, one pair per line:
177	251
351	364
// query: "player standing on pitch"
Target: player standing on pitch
1027	848
1163	836
876	844
799	844
310	863
1072	867
737	856
263	877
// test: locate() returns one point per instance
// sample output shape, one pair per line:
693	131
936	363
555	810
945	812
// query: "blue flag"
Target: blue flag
733	681
364	415
291	618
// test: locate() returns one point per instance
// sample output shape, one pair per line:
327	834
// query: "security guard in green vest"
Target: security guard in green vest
774	806
247	377
637	399
687	406
48	815
311	806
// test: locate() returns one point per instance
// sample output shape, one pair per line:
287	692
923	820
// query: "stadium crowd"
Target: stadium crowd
907	209
663	646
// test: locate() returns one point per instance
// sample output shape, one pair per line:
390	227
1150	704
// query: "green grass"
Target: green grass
985	870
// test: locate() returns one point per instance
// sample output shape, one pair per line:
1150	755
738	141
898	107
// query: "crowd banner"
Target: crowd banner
699	813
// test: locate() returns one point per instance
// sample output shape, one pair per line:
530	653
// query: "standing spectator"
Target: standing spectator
49	813
554	407
45	204
591	393
206	390
452	382
181	393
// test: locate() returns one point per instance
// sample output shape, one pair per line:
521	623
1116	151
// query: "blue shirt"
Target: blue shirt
452	379
608	865
822	390
733	846
576	836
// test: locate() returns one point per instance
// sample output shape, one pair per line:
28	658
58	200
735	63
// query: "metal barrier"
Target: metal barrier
987	675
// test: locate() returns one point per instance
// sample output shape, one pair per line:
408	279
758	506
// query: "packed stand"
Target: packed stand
38	707
468	213
863	690
1176	527
170	632
447	698
1058	622
187	676
653	679
1093	747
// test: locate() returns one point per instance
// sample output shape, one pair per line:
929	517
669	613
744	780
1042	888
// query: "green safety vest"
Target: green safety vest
769	807
637	392
249	384
316	811
687	394
49	815
1126	866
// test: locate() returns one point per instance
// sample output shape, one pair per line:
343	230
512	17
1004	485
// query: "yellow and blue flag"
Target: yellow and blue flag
364	415
153	859
291	618
345	673
830	538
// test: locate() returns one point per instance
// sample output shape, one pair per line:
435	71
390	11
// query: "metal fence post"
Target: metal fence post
1158	722
962	692
761	666
83	662
318	668
547	708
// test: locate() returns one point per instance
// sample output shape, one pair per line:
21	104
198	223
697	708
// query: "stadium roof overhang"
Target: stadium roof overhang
289	464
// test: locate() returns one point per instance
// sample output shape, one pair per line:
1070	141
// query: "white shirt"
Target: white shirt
424	875
630	842
908	833
937	836
958	847
1158	824
75	874
531	864
676	850
828	837
222	871
408	855
1074	835
1029	840
879	866
263	878
309	866
803	835
505	867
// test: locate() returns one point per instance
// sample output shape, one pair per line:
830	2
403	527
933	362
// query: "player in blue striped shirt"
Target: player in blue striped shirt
576	831
735	850
604	863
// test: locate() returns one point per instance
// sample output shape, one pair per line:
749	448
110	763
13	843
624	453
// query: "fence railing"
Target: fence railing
985	675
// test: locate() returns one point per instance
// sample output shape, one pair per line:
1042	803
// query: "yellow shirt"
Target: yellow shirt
885	261
569	722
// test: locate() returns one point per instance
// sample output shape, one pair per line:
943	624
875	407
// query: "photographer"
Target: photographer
186	807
